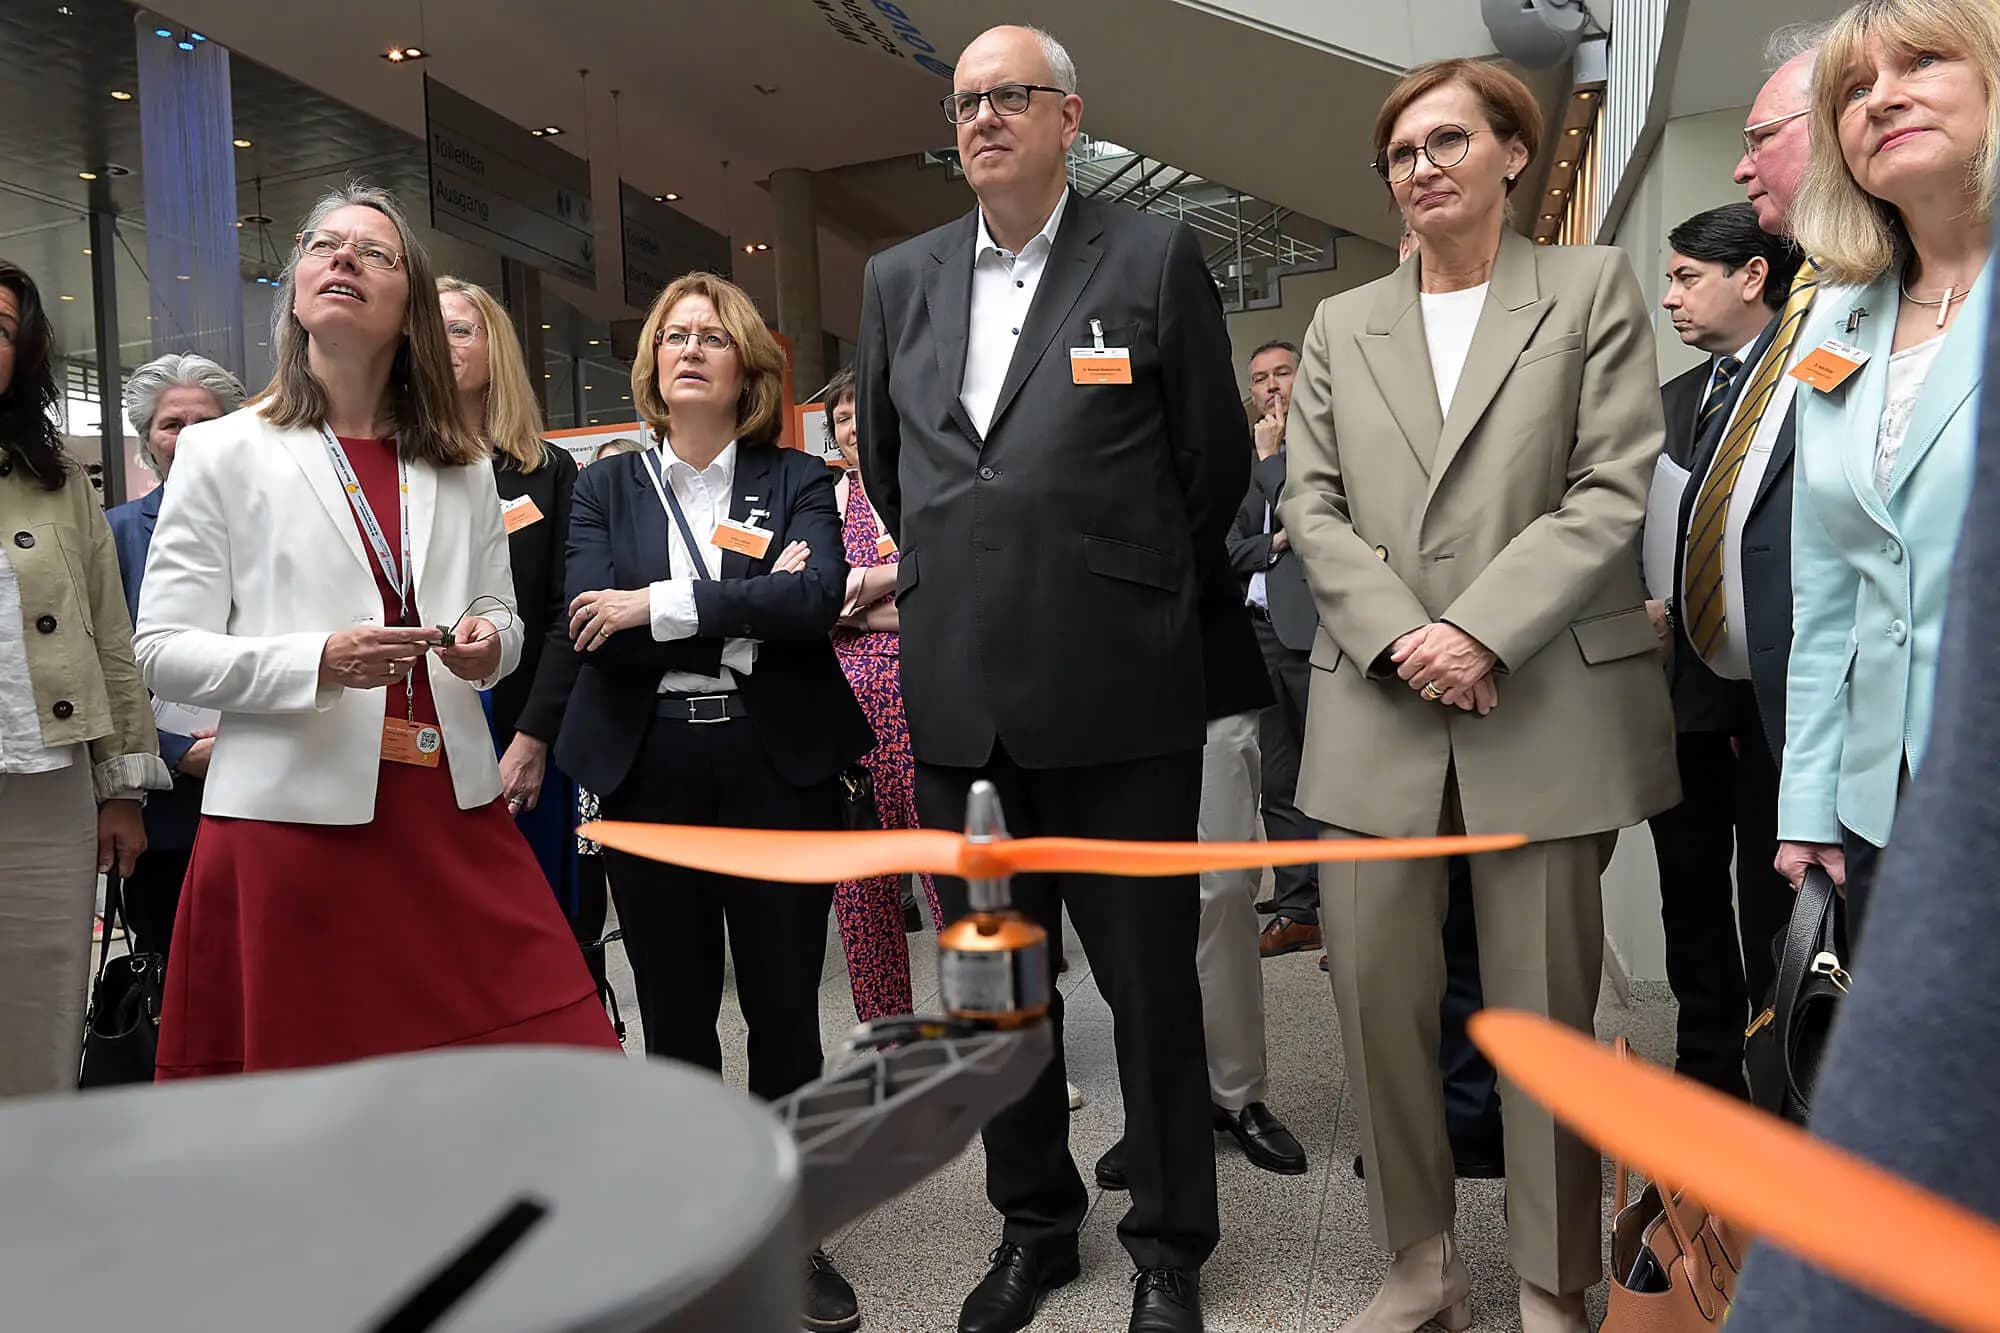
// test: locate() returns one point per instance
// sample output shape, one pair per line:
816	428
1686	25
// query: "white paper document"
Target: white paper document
181	720
1663	523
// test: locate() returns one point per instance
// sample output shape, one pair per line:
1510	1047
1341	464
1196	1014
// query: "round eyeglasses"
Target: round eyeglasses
1009	99
324	245
1446	146
459	333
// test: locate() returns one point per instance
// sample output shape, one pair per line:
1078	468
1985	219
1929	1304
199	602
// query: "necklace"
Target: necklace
1943	303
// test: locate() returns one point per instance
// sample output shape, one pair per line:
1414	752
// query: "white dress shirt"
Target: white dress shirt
1450	320
704	498
1003	287
1732	654
1259	594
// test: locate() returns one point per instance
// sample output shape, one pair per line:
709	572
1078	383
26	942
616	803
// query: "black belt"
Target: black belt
701	707
1262	613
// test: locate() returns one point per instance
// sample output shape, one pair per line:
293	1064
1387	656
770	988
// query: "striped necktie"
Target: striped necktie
1705	613
1718	394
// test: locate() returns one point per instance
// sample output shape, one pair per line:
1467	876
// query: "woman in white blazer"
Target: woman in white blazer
1896	211
329	588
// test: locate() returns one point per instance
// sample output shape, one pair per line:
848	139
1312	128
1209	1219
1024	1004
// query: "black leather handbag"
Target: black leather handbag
1784	1046
121	1030
857	799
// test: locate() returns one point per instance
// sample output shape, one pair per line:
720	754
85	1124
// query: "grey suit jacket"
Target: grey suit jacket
1294	618
1513	517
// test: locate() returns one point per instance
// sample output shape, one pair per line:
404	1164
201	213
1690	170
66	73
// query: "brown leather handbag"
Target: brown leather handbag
1673	1263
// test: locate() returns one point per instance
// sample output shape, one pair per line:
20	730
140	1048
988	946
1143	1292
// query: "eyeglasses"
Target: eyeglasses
459	333
709	340
1009	99
1756	136
1446	146
324	245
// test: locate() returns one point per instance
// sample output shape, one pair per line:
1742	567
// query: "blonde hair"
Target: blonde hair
624	444
423	395
513	418
1853	236
760	411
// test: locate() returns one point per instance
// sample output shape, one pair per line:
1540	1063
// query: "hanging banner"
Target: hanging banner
661	243
496	185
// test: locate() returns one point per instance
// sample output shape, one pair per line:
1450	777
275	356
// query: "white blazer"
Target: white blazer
255	563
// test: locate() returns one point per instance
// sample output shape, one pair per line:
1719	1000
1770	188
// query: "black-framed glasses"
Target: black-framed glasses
324	245
1446	146
459	332
709	340
1756	136
1009	99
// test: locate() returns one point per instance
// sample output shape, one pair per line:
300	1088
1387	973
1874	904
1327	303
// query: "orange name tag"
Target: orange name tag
885	546
1827	366
741	538
405	742
518	513
1100	365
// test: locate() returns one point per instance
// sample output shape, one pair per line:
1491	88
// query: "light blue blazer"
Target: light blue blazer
1869	574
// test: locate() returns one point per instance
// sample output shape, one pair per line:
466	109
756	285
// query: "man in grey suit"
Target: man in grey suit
1050	430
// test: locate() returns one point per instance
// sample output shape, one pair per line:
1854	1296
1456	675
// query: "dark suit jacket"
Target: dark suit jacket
1049	577
1766	559
171	816
799	702
1293	615
1233	673
531	698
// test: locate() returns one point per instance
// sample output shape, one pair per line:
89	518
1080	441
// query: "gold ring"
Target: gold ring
1432	692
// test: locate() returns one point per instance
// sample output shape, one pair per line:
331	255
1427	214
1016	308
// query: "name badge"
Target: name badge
885	546
518	513
1098	364
742	538
406	742
1828	366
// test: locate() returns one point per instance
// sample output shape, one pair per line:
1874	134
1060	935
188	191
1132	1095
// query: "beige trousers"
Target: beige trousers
1226	957
1541	943
48	890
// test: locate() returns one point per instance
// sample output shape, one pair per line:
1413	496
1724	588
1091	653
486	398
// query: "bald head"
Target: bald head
1777	143
1020	87
1023	47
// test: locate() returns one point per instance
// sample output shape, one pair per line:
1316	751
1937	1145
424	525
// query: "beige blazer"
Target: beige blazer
1514	518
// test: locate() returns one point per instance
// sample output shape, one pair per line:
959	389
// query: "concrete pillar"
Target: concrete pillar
797	248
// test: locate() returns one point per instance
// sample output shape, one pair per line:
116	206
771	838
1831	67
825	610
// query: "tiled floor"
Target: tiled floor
1295	1253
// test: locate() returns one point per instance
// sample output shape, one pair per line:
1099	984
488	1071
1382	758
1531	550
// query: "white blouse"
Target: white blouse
1908	369
21	748
1450	319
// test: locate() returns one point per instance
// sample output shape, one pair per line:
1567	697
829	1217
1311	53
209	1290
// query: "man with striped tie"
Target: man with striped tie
1727	280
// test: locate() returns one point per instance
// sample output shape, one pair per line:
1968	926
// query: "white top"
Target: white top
1003	287
1731	659
21	748
1908	369
1259	590
704	498
1449	321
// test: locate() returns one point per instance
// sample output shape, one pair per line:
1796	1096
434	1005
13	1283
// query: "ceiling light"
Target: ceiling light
163	32
242	143
120	95
588	387
1556	193
1585	96
1548	217
1542	241
670	196
547	131
749	249
185	44
86	252
624	397
545	326
593	341
65	297
762	246
183	277
86	175
1574	130
195	36
1562	164
547	376
400	55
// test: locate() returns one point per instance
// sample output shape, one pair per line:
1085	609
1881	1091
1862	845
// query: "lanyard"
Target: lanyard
397	575
672	504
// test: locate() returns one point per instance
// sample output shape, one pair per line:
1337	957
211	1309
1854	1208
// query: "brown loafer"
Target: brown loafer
1285	935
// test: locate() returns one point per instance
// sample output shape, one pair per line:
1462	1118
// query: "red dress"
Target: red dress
311	944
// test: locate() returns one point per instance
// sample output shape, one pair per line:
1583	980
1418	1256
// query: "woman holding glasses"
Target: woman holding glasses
330	574
1471	440
535	481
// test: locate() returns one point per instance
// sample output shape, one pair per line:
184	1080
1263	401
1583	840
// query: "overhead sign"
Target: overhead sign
496	185
661	244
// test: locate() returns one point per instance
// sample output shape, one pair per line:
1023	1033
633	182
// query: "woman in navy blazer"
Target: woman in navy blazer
704	577
162	397
1896	211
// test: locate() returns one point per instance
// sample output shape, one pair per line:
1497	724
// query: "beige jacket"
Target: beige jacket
1515	519
77	630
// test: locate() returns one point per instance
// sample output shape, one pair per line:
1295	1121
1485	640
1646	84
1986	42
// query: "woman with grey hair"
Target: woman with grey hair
164	396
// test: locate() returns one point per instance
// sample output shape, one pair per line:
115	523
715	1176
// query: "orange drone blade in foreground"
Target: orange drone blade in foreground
820	858
1799	1193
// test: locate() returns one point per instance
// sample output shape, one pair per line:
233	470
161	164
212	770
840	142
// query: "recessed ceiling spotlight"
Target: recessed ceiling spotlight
65	297
749	249
595	341
86	175
163	32
547	131
86	251
1574	130
197	37
671	196
183	277
241	143
403	55
761	246
120	95
546	327
1562	164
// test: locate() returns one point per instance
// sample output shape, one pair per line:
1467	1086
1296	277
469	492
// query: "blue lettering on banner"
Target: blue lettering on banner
903	38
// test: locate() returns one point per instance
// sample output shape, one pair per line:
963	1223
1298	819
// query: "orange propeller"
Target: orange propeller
1821	1203
820	858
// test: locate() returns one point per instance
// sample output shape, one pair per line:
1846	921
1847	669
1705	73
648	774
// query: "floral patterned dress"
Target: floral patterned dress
870	910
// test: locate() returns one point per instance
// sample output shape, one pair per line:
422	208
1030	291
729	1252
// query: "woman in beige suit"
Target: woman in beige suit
1472	440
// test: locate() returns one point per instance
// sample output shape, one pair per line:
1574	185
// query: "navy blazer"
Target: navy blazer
800	705
171	816
1294	616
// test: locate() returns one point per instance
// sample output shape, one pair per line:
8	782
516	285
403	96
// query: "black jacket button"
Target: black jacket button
46	624
63	708
24	540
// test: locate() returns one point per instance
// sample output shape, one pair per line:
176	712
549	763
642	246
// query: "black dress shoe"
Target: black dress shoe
830	1304
1165	1300
1266	1141
1006	1298
1110	1170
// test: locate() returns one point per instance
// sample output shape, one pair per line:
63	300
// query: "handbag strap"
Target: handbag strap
1808	934
1668	1198
114	911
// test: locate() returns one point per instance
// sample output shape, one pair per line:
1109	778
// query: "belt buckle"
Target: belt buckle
717	709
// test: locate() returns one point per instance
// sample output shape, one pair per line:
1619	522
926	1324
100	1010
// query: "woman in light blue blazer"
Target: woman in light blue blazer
1895	211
